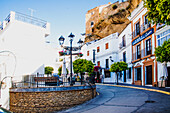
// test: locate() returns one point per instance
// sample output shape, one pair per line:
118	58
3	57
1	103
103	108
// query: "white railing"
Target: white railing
30	19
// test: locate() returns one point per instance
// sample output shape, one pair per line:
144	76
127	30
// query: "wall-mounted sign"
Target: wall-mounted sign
146	34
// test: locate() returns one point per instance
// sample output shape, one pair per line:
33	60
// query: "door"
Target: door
139	73
149	75
168	81
125	76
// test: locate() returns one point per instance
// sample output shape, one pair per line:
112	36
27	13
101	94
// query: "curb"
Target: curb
147	89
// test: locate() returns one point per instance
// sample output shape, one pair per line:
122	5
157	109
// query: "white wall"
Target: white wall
163	34
128	49
104	54
22	52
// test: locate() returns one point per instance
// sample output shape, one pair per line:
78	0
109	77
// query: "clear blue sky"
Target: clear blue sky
65	16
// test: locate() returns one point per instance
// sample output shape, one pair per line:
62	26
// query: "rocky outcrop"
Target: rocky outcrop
112	18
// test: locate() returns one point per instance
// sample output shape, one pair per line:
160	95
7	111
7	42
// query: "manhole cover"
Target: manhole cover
149	101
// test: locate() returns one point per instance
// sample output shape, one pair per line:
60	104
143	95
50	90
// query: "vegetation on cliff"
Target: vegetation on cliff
113	18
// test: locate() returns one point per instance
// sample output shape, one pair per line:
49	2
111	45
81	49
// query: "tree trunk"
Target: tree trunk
81	78
117	78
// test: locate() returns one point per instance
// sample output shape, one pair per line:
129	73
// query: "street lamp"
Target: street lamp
80	43
61	41
111	59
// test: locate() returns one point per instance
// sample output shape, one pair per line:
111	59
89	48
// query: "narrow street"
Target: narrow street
124	100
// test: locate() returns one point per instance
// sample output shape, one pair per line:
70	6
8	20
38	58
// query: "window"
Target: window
137	32
146	23
123	41
98	63
98	49
87	53
138	51
146	19
163	36
107	45
124	56
92	24
107	63
129	73
148	47
92	30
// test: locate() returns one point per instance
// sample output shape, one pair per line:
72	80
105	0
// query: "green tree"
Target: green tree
49	70
83	65
162	53
158	11
117	67
60	69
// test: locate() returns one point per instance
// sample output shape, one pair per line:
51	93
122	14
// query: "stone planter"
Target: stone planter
49	99
161	83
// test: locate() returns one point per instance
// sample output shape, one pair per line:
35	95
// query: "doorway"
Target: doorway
168	81
125	76
149	75
138	73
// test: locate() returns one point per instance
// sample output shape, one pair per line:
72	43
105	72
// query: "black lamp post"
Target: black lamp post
61	41
71	36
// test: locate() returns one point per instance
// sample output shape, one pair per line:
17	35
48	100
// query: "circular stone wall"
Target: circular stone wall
49	99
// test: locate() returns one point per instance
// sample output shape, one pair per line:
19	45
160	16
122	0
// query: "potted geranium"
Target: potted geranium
61	53
80	54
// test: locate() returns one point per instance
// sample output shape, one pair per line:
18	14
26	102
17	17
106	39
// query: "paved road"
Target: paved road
124	100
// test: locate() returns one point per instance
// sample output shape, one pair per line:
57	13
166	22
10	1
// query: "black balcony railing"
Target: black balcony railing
144	52
142	28
145	26
122	44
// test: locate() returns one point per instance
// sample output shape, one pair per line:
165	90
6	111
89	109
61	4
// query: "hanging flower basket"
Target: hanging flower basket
79	54
61	53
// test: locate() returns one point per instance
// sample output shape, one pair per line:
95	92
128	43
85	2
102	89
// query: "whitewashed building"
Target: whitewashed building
163	34
125	54
22	50
103	53
143	46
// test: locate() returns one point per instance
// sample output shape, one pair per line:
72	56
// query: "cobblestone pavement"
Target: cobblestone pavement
113	99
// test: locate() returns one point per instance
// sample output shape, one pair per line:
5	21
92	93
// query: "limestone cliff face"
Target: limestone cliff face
112	18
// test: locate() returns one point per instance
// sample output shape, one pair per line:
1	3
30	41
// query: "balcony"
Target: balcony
27	19
30	19
24	18
141	29
122	44
142	54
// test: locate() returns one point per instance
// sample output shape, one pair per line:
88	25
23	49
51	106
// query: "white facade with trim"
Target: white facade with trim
102	54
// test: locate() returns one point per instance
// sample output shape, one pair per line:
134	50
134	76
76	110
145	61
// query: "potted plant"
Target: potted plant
61	53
